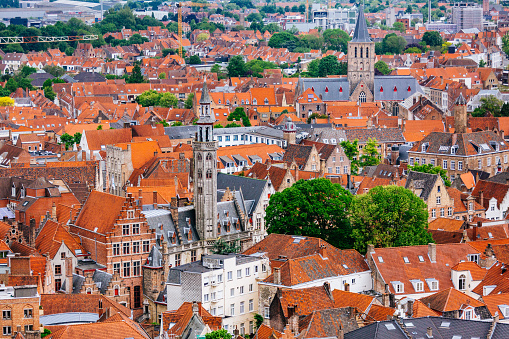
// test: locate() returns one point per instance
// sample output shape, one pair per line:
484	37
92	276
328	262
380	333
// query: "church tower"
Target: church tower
361	62
205	172
460	114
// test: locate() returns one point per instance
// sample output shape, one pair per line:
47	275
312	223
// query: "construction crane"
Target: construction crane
179	6
35	39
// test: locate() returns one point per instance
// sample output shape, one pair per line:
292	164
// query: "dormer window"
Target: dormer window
454	149
254	101
418	285
23	193
432	284
266	101
398	287
13	190
424	147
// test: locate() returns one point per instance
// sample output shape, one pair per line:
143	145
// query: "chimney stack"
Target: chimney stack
68	275
54	212
429	332
323	251
432	252
277	275
154	199
481	198
196	308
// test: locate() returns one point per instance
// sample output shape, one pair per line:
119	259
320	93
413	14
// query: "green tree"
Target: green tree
351	149
136	77
232	125
45	333
194	60
137	39
148	98
162	75
429	168
409	9
413	50
316	208
56	71
11	85
389	216
67	140
222	247
239	115
236	67
177	123
100	127
258	320
370	155
399	26
491	104
382	67
432	38
49	93
168	100
393	44
336	39
188	104
482	63
218	126
219	334
77	137
164	123
504	111
283	40
328	65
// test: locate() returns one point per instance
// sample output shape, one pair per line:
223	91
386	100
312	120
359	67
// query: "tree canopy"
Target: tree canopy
389	216
239	115
315	208
432	38
382	67
328	65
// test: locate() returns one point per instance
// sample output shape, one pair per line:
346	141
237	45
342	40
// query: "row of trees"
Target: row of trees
328	65
385	216
238	68
331	39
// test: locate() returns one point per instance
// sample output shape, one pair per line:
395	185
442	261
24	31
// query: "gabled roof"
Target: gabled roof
306	300
450	300
327	323
51	237
362	302
181	317
490	190
100	212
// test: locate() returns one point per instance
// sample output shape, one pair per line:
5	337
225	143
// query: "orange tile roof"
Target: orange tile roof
362	302
446	224
477	272
381	313
450	300
494	300
100	212
141	152
51	237
421	310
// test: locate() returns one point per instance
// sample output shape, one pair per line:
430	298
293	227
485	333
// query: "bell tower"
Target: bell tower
205	172
361	61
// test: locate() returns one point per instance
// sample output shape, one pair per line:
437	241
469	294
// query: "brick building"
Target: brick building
116	234
20	311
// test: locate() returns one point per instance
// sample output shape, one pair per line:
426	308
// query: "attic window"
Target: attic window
313	89
326	89
344	265
340	89
380	259
405	259
409	89
395	89
421	258
381	89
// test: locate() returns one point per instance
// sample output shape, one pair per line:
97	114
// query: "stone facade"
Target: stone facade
118	168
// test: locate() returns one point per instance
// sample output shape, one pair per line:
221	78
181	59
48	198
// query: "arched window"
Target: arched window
209	156
89	291
209	174
362	97
461	282
266	101
201	134
361	52
356	52
367	52
199	157
199	174
117	290
242	101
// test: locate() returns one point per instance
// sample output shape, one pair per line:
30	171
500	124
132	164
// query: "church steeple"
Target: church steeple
361	30
361	62
205	170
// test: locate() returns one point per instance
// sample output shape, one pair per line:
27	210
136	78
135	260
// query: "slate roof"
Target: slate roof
251	188
361	30
38	79
382	135
417	328
423	181
89	77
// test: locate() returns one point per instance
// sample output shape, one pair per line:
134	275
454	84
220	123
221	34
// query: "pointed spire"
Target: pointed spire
205	98
361	30
461	100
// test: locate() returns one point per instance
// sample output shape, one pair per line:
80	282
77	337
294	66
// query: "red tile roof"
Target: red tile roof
450	300
100	212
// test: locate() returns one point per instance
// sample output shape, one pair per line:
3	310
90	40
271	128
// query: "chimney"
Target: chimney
429	332
154	199
54	211
196	308
432	252
68	275
481	198
410	308
323	251
277	275
371	249
293	319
